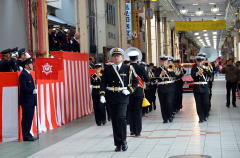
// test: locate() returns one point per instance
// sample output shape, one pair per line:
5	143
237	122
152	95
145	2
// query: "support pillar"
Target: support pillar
158	21
82	25
149	38
41	47
166	37
122	24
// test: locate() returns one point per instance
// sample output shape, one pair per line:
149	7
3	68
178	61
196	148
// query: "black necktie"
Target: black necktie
117	68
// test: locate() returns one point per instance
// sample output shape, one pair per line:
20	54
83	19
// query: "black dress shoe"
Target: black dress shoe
227	105
118	149
200	121
104	122
132	134
31	139
137	135
124	147
171	120
234	105
165	121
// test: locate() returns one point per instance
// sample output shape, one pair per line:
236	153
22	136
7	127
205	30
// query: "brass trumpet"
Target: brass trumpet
207	65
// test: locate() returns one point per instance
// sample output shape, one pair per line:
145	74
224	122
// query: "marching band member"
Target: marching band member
210	79
166	89
151	87
201	89
99	108
116	86
136	98
179	71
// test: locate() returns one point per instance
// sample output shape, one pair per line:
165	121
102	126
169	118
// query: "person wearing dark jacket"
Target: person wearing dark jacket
179	71
75	46
166	89
231	75
27	99
201	89
136	98
6	63
99	108
117	84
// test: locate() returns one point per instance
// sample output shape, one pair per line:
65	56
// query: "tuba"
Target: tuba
132	49
171	67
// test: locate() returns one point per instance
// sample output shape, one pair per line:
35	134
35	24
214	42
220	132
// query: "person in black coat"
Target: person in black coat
75	46
117	83
8	64
27	99
136	98
99	108
166	89
179	71
201	88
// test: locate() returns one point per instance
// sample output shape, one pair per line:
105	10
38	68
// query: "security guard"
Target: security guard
99	108
7	64
201	89
166	89
136	98
27	99
117	83
179	71
151	87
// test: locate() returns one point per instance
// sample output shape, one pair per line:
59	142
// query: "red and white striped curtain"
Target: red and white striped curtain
59	101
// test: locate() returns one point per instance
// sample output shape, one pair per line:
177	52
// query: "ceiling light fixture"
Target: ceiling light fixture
183	11
219	14
199	12
196	33
214	9
214	33
205	34
195	4
212	3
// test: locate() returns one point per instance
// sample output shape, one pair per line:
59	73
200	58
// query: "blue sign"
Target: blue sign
129	21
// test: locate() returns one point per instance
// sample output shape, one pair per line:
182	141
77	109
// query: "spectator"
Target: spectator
92	62
75	46
7	64
232	76
21	57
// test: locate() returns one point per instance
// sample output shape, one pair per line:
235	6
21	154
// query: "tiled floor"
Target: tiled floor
219	137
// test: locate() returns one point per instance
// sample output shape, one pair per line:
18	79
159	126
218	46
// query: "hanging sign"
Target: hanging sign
129	20
200	25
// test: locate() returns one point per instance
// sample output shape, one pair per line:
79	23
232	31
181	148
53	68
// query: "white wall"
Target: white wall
13	25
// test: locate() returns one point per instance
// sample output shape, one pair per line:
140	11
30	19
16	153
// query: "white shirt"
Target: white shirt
27	71
119	66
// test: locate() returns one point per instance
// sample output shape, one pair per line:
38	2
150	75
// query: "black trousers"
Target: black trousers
179	95
166	96
118	114
201	95
27	118
231	86
135	113
99	108
210	85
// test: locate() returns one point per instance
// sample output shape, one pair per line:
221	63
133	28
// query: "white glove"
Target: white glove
35	91
102	99
126	92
